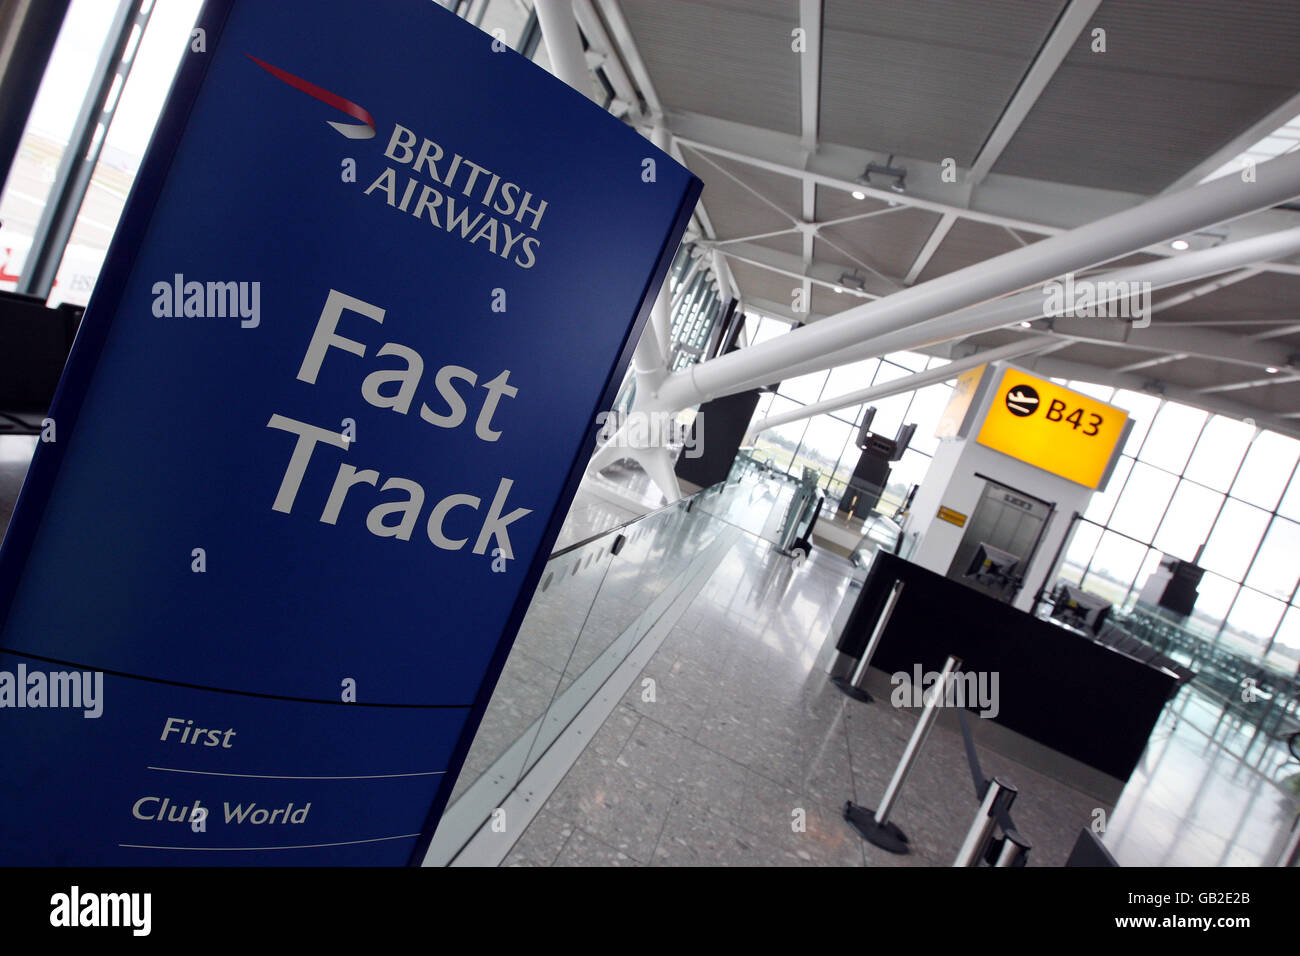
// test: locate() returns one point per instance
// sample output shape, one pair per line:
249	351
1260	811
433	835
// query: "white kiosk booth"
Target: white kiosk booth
1020	456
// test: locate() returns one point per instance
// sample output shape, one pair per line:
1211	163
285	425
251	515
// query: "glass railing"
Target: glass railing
596	600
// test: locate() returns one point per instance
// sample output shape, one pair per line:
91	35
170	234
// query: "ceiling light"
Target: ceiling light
852	280
1270	369
896	173
1180	244
838	290
859	194
1025	325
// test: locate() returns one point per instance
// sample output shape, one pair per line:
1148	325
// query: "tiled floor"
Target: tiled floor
745	739
746	754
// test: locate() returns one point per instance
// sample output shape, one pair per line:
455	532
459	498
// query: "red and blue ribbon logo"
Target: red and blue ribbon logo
363	130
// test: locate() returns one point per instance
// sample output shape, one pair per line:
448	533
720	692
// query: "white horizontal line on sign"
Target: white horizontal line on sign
272	776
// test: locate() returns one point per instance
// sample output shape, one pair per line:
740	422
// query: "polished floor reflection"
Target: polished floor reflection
733	749
1202	800
744	754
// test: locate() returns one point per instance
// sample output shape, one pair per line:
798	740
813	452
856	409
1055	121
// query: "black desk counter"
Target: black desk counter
1056	687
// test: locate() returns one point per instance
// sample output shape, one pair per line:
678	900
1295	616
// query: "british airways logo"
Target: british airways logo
450	191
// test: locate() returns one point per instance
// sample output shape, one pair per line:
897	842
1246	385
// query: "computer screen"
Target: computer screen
992	567
1074	606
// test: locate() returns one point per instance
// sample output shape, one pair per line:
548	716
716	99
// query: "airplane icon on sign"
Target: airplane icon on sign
1022	400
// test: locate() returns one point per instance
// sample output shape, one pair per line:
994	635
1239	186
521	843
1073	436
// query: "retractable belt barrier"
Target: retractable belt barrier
996	797
874	826
982	842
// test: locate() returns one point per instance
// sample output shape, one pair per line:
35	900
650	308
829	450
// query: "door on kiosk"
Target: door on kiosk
1008	525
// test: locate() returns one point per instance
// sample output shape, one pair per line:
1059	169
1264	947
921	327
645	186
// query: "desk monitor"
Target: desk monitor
1076	607
992	567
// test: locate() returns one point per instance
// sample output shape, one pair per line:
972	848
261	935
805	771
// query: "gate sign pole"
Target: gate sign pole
325	415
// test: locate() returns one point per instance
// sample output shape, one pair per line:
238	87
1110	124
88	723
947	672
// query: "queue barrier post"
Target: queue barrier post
853	684
997	801
1014	850
873	825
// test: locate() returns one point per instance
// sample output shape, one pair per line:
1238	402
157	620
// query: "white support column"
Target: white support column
1099	241
649	361
563	44
1028	306
909	383
598	40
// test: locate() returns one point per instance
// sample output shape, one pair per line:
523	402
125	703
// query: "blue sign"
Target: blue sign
319	430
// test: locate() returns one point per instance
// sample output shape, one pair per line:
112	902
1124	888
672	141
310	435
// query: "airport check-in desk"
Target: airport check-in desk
1057	687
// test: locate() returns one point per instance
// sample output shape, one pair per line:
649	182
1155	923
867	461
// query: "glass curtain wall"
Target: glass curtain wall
1189	479
51	124
826	442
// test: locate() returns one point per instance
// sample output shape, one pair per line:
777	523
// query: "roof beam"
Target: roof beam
1151	362
621	35
1029	305
725	279
909	383
808	199
1275	333
751	190
810	75
818	226
1232	323
756	236
825	274
1030	205
1274	120
1034	206
1252	383
623	47
1050	56
810	72
937	235
778	310
1214	285
599	43
1171	340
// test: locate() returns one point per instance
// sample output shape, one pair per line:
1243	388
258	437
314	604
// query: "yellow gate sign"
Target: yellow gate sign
1052	427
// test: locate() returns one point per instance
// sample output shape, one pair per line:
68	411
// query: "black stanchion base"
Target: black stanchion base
857	693
886	836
